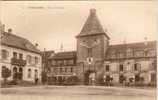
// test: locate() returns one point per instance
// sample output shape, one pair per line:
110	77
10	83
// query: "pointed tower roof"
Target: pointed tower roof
92	26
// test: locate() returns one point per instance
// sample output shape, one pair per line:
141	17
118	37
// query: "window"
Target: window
113	54
107	68
53	62
137	66
89	52
65	69
129	53
153	65
21	56
5	54
121	67
145	52
153	77
3	70
71	70
61	70
29	59
151	53
36	60
60	62
36	73
29	73
120	55
139	53
55	70
65	62
71	62
15	55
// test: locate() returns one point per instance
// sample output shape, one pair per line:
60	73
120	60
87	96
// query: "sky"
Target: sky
55	23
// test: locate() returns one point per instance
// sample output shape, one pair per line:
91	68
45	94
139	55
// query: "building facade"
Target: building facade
96	61
20	56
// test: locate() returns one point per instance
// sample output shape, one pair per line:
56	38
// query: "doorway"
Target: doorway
20	74
89	77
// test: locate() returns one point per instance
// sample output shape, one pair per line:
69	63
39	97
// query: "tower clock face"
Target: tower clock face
90	43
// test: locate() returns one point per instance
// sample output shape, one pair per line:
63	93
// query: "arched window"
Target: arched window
36	73
20	73
29	73
14	70
36	60
4	54
29	59
15	73
3	69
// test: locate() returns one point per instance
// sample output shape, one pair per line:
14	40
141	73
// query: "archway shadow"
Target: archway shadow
86	76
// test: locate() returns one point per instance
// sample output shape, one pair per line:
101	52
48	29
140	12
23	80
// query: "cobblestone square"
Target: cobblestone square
77	93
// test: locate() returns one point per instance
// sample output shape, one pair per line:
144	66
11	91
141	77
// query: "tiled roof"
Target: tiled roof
92	26
65	55
134	46
138	45
111	48
18	42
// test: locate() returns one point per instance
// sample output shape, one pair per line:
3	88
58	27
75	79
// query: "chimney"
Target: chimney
9	30
92	11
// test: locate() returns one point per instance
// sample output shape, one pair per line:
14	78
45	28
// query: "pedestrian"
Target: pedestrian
36	81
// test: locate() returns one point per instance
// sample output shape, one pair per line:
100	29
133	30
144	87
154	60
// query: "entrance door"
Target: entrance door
59	80
89	77
15	75
137	78
153	77
20	73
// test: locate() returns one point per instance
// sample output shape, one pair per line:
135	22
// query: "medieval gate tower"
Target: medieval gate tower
92	43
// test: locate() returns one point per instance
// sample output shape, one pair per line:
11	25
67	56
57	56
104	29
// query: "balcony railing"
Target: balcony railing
18	62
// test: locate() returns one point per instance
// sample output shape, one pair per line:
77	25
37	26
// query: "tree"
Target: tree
5	73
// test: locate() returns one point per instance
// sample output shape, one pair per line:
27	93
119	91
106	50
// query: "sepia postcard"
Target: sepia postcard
78	50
